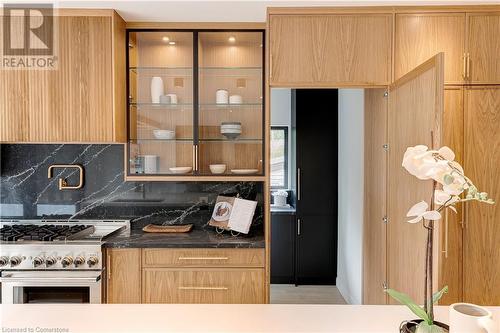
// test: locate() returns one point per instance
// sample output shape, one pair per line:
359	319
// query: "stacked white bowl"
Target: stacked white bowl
164	134
230	130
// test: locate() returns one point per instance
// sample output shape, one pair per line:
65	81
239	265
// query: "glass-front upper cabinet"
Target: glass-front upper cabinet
231	103
196	105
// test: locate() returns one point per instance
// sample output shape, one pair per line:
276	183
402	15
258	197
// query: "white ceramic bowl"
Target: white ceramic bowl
235	99
217	168
181	170
164	134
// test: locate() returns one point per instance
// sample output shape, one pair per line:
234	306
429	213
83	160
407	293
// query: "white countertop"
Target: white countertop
210	318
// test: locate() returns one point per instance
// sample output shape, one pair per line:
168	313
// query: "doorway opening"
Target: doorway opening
317	162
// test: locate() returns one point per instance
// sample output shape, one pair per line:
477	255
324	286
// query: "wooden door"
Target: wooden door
374	229
203	285
123	275
74	102
450	270
481	259
420	36
414	115
330	50
483	46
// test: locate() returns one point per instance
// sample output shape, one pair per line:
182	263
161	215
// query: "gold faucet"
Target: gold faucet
63	183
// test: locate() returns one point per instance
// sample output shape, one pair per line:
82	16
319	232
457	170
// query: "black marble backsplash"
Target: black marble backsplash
27	192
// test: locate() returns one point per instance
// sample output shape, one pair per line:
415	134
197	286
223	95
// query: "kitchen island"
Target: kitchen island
209	318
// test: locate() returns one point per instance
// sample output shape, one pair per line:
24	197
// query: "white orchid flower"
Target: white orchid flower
446	153
419	211
445	199
418	160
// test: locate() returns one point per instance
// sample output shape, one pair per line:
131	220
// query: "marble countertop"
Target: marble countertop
197	238
210	317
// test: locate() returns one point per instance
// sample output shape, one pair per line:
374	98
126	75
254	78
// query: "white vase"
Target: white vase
156	89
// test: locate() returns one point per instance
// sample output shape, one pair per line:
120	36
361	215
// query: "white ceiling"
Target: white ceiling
221	11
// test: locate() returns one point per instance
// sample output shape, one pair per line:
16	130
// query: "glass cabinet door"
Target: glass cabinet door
161	128
230	110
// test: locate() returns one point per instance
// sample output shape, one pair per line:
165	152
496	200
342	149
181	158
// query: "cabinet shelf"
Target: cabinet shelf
233	141
134	140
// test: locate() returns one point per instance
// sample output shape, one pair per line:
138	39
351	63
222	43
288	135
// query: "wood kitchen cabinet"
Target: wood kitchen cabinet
123	275
83	98
450	269
203	276
481	250
330	50
483	48
420	36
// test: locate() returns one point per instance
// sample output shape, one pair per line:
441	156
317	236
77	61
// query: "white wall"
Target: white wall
281	115
350	203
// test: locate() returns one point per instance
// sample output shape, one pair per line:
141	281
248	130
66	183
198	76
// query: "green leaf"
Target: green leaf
438	294
406	300
424	327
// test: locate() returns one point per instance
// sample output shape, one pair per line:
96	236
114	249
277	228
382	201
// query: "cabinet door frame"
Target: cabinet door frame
469	48
194	175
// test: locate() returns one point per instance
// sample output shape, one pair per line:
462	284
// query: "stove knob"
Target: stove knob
50	261
4	260
37	261
16	260
66	261
92	261
79	261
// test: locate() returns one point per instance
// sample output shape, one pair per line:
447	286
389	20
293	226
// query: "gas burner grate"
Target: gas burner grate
43	233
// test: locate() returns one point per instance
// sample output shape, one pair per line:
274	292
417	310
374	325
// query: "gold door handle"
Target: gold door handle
63	183
109	267
464	69
203	288
203	258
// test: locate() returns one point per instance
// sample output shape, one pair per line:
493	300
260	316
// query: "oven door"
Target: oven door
21	287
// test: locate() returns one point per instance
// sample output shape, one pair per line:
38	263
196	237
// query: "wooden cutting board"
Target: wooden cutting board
168	228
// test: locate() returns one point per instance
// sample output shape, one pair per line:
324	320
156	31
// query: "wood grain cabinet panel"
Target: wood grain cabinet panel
82	100
203	257
415	109
330	50
123	268
420	36
201	285
450	271
483	47
481	256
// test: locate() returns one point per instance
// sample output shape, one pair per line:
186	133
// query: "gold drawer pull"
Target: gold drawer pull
203	288
203	258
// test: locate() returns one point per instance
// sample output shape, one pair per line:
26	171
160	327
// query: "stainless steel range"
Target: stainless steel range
53	261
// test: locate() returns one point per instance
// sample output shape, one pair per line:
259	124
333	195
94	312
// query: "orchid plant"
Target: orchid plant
440	167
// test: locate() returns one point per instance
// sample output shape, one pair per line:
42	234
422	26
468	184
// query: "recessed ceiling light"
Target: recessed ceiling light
231	39
165	38
171	43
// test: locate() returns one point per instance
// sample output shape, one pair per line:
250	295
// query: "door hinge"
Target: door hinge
385	219
386	94
384	285
385	146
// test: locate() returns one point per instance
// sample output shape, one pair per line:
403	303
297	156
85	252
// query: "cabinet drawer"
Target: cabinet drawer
203	286
203	258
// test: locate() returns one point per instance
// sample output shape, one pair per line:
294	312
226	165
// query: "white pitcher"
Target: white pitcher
471	318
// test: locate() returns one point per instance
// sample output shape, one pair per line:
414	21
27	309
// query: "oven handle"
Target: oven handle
10	278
